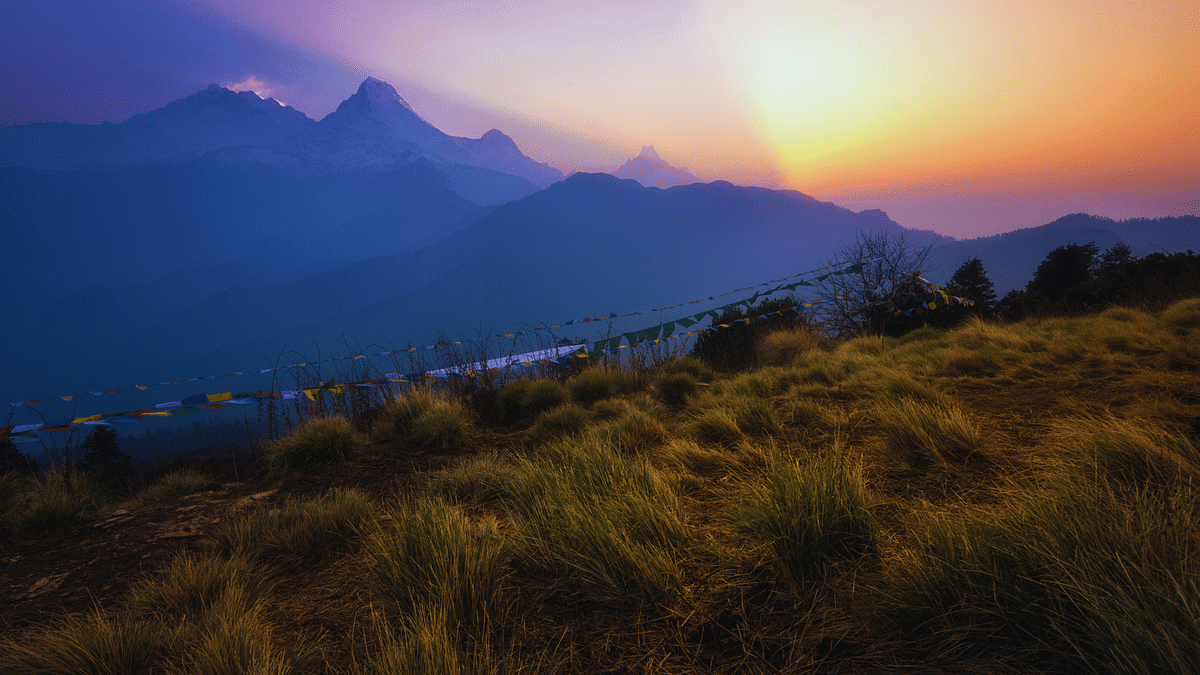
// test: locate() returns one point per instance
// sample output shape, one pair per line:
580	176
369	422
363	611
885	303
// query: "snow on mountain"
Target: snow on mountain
651	171
376	111
374	129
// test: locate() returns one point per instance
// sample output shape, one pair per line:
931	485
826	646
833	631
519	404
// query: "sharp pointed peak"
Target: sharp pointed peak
378	91
649	153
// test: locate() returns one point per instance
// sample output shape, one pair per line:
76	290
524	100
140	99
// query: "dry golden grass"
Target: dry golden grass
998	498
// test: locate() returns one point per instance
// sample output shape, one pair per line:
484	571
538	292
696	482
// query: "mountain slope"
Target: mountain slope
207	120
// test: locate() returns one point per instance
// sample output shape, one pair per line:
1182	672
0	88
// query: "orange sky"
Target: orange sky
965	116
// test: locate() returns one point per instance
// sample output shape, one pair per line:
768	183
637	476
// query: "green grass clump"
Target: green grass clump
1071	578
177	484
522	400
812	516
58	501
599	383
97	645
603	517
317	443
433	557
300	533
677	389
925	435
190	586
566	420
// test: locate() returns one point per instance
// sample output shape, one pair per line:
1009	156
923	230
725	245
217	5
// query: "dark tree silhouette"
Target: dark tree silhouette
1114	258
1064	267
971	282
102	455
12	459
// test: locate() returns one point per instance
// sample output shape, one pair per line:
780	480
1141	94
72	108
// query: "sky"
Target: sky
967	118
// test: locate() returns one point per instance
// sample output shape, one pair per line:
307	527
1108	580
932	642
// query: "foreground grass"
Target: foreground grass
998	498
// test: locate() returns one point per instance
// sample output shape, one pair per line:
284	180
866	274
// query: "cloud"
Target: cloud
252	83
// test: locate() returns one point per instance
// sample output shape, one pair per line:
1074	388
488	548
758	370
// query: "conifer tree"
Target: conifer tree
12	459
971	281
102	455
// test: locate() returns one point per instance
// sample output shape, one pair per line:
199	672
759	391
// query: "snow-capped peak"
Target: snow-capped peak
378	92
649	153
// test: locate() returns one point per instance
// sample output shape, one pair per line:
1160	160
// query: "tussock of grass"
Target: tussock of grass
715	427
1070	578
317	443
1130	453
677	389
432	557
522	400
866	344
808	417
611	409
430	420
812	516
905	386
925	435
176	484
96	644
753	415
233	637
977	334
298	534
1183	317
599	383
475	480
605	518
636	431
427	645
190	586
981	362
58	501
689	365
783	347
566	420
703	461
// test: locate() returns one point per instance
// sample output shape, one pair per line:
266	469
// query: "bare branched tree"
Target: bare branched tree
853	304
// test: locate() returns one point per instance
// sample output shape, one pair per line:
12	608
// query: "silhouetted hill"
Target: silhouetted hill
588	245
1011	258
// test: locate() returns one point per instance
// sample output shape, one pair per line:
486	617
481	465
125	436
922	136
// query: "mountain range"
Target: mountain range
223	230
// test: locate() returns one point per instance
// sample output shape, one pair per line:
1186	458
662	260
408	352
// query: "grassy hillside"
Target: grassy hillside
996	498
